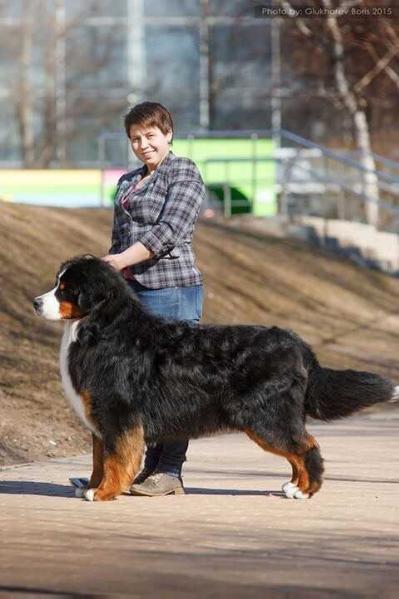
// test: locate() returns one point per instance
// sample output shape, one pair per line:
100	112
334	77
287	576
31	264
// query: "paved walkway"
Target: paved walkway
232	535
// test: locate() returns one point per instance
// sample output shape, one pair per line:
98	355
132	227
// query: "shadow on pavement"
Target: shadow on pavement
204	491
354	479
25	487
18	487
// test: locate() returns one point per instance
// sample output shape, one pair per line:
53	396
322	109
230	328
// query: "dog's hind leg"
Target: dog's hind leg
307	470
120	466
314	466
306	462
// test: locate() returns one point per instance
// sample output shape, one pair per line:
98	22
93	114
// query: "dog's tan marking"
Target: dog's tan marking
86	411
300	475
315	485
69	310
122	465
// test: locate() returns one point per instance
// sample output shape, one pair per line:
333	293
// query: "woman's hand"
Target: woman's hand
133	255
115	260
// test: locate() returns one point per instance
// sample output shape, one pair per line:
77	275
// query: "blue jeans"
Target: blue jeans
178	303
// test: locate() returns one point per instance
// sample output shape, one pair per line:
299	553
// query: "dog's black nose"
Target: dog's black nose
37	302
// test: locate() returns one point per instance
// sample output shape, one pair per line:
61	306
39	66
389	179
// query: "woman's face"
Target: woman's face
149	144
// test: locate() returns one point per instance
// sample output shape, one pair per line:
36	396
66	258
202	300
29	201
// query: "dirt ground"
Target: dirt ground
348	314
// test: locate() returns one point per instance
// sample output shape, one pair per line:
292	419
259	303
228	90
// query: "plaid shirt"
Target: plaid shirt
161	215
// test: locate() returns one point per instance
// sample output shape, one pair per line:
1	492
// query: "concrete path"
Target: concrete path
232	535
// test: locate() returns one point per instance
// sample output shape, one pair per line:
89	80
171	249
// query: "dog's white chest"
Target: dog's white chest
69	336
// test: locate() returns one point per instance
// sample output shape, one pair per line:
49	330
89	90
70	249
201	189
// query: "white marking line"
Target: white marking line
50	305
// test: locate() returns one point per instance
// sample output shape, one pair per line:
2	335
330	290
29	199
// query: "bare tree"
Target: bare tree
347	53
21	88
358	115
46	120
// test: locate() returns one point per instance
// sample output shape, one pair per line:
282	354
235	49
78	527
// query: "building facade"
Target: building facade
69	71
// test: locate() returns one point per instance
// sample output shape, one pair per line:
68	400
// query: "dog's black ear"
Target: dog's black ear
92	299
99	310
85	301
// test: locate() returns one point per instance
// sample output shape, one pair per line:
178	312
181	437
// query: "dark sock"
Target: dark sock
176	472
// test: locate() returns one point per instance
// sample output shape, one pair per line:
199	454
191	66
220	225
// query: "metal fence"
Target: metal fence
304	177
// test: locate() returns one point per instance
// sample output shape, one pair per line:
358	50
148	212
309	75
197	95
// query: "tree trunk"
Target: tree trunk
48	138
359	119
23	93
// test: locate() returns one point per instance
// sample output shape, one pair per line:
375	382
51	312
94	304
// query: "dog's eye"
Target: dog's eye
69	290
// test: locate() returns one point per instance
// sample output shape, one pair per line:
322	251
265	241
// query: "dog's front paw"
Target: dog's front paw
88	494
301	495
99	494
289	489
292	491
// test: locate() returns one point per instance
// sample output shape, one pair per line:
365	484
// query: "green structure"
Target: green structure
241	168
239	173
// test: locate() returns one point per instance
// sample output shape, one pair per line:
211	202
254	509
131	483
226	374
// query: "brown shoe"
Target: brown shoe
158	484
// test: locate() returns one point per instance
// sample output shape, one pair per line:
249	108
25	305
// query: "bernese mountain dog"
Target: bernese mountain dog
134	378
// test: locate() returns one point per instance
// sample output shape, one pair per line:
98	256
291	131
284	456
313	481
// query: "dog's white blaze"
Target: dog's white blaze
50	306
69	336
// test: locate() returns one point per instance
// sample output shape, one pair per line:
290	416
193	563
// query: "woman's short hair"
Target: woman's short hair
149	114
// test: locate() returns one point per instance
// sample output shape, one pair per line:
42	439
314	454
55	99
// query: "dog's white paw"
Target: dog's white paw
80	492
299	495
88	494
289	489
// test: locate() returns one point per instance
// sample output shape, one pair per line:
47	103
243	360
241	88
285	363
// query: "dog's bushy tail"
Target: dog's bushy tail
335	394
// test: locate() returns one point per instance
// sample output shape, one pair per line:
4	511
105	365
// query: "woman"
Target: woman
156	208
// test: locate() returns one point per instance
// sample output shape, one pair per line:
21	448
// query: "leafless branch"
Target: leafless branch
379	67
300	23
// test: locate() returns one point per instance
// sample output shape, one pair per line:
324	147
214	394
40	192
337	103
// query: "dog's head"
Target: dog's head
82	284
